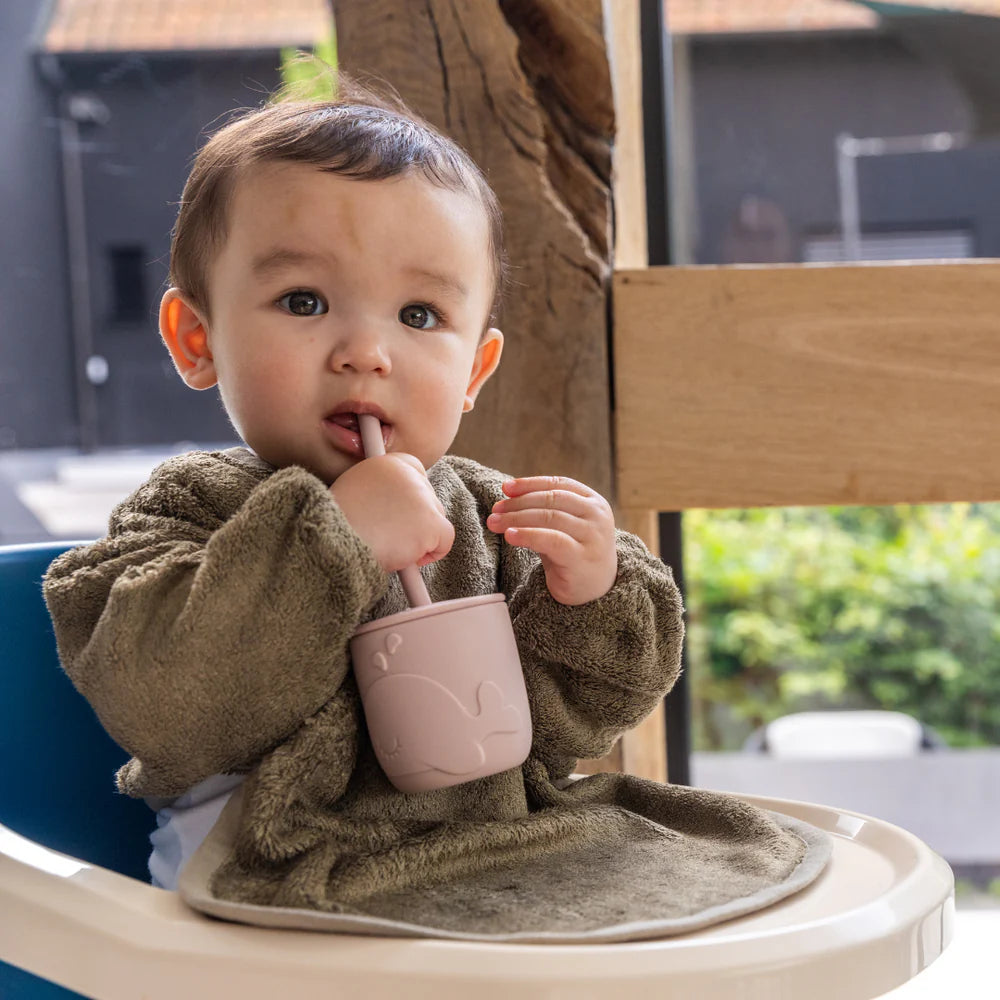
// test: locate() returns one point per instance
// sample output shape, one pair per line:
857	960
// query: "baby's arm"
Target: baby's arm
211	621
594	670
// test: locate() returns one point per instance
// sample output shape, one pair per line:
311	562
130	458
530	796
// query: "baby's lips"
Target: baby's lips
348	419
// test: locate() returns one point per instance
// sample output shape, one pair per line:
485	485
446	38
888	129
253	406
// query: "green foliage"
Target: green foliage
964	889
858	607
311	75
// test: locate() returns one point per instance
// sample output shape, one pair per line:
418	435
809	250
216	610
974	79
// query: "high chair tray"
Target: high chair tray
880	912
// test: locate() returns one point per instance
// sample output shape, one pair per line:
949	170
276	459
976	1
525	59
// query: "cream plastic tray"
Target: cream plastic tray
881	912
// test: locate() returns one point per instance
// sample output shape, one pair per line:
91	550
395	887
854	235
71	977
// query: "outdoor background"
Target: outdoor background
844	608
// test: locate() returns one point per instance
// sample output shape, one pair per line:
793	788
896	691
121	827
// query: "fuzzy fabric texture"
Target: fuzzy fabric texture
210	631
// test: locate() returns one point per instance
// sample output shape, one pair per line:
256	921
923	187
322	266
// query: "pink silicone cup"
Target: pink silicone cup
441	683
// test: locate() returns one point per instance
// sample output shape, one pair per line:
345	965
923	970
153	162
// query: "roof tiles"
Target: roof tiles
702	17
170	25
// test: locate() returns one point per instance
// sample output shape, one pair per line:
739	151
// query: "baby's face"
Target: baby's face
334	295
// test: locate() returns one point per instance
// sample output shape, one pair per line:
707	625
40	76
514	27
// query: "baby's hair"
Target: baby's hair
359	134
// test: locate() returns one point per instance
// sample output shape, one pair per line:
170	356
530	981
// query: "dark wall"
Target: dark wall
37	404
134	165
134	170
960	187
766	114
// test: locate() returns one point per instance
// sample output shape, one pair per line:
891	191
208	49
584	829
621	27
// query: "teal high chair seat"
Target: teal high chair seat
77	911
56	778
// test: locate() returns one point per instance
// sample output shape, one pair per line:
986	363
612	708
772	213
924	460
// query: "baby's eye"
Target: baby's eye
417	316
303	303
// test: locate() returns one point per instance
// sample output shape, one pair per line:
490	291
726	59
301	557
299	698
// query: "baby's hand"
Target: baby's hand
569	525
390	503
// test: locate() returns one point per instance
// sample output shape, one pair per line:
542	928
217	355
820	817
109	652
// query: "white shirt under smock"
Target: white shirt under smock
183	823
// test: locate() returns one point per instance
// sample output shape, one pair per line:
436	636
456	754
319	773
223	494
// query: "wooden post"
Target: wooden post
643	751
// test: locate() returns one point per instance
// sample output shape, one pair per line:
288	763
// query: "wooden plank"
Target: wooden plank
758	386
643	750
628	177
612	761
642	522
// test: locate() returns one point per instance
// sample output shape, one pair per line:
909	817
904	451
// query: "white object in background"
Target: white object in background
78	500
97	369
833	735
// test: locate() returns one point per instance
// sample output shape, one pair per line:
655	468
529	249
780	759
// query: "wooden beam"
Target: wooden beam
621	26
643	751
757	386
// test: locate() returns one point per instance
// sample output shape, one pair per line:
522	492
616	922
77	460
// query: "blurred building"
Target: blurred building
105	102
763	90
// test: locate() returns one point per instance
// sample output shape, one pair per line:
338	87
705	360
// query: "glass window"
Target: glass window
822	133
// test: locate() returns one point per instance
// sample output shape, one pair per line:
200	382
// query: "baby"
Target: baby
330	260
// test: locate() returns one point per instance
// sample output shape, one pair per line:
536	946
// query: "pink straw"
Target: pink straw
371	439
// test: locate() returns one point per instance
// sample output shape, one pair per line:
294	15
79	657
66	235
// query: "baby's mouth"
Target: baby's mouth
348	420
345	431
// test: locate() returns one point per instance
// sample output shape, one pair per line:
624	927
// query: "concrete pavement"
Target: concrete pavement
59	493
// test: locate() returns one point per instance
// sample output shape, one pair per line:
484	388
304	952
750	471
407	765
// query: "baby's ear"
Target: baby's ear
485	364
184	332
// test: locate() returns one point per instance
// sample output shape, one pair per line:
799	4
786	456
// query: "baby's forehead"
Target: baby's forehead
283	214
329	205
283	174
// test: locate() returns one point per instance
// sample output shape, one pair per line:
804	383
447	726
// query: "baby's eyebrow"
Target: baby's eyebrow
278	259
444	282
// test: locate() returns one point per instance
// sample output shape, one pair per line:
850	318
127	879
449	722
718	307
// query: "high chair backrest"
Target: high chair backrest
56	762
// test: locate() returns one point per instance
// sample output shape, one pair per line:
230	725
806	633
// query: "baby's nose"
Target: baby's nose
362	355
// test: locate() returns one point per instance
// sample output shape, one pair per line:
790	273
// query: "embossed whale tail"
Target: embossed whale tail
494	716
424	726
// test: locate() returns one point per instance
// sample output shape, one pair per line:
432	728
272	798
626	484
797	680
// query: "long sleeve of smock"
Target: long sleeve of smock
595	670
213	618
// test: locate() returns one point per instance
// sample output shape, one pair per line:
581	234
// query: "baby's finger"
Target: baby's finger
535	484
571	503
554	545
541	517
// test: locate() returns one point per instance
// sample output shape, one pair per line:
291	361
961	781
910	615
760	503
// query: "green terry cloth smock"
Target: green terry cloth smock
210	632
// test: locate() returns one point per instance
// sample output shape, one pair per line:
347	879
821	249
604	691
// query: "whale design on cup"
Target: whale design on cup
443	692
441	683
410	746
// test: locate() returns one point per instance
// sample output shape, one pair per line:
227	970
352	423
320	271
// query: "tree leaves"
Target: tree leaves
845	607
